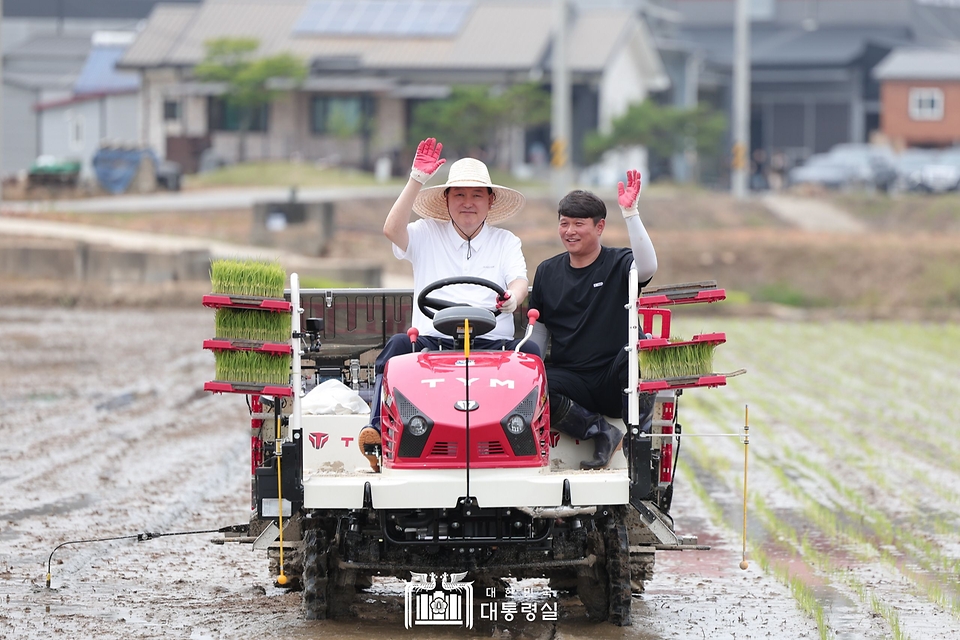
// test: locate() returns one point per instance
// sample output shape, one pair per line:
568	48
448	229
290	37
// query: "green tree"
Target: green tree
664	131
233	61
469	121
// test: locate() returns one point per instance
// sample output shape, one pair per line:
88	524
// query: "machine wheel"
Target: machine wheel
604	587
617	549
328	590
593	586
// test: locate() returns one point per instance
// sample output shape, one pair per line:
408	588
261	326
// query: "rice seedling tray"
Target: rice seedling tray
278	348
665	343
218	300
220	386
689	293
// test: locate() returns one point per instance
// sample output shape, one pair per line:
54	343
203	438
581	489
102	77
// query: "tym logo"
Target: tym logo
318	439
494	383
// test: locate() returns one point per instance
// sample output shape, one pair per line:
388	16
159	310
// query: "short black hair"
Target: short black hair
582	204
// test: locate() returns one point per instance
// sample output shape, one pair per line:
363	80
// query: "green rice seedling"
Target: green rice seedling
250	366
677	361
247	278
252	324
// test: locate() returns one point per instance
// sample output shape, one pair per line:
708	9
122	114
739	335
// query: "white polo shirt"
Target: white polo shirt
437	251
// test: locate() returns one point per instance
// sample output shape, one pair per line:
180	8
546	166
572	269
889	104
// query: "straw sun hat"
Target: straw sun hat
468	172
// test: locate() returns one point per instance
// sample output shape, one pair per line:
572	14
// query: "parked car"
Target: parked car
929	170
848	165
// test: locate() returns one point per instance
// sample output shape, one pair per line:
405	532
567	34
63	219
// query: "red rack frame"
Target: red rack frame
218	300
255	388
221	344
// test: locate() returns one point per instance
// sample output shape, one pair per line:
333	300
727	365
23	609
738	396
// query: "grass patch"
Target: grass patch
282	174
248	278
785	294
250	366
250	324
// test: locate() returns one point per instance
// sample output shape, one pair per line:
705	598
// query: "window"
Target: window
223	116
926	103
341	116
171	110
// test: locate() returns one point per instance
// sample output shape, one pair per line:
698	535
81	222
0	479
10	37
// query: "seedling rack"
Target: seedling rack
650	310
222	344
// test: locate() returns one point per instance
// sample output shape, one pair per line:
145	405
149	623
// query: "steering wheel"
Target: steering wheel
429	306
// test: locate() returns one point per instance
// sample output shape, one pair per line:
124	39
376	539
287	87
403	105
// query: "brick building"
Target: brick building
920	97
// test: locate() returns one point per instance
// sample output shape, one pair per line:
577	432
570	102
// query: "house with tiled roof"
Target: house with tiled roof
372	62
920	94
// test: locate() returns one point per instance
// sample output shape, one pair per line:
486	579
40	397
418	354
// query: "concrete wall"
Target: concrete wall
70	261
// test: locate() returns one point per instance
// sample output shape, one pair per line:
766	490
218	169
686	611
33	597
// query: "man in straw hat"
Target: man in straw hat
453	237
580	295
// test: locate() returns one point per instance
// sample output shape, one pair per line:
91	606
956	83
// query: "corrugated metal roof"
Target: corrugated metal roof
99	75
164	27
919	64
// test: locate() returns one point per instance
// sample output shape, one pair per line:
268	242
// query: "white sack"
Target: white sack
333	397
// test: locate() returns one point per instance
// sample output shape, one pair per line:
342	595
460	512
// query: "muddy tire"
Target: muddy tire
617	550
314	574
604	587
328	590
593	586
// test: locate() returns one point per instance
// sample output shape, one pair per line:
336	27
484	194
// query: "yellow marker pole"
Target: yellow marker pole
466	338
746	443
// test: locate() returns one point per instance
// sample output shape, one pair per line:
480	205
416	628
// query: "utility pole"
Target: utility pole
741	101
1	98
560	127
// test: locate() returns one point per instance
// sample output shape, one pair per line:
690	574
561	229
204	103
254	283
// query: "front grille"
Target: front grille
490	448
444	449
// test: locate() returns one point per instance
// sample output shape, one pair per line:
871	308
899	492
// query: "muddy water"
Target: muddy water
103	433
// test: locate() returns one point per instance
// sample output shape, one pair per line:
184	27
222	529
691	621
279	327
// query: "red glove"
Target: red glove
427	161
506	303
628	197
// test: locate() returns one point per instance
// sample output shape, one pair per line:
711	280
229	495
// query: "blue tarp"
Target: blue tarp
116	168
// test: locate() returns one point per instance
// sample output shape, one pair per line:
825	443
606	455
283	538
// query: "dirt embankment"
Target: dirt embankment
906	262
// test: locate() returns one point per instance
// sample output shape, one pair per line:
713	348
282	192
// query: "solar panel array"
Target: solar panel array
399	18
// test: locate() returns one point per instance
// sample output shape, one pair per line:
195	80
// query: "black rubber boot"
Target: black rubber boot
566	416
607	442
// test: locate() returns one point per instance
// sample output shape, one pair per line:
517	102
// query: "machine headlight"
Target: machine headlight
516	424
417	426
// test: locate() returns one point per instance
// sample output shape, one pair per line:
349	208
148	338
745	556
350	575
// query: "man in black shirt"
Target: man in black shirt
581	295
